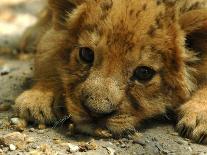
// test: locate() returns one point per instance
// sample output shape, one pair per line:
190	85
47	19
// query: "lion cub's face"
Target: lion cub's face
125	56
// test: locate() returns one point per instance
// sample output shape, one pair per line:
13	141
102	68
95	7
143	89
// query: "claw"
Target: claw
103	133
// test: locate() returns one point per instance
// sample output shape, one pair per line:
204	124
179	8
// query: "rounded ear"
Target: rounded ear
194	24
61	9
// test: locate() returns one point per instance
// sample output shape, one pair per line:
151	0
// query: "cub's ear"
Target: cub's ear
61	9
194	24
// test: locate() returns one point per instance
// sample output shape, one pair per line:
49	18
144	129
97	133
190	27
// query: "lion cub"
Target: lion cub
114	63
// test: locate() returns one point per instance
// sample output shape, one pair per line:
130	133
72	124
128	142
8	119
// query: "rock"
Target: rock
46	149
1	152
5	107
31	130
41	126
182	142
30	140
12	147
110	151
57	141
14	121
138	139
72	148
19	124
40	131
88	146
15	138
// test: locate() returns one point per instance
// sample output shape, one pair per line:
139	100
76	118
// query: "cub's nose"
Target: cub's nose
98	105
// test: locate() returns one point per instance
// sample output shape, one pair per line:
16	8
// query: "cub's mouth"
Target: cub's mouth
96	111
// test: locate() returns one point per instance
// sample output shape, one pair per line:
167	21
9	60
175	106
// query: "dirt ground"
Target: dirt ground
157	136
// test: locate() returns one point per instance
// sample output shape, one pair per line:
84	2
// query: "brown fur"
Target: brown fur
102	98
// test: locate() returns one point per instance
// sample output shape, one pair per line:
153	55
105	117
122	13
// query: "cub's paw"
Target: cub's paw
193	122
121	125
36	105
92	130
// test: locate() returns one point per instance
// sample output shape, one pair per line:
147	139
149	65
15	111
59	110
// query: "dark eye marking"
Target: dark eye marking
86	55
143	74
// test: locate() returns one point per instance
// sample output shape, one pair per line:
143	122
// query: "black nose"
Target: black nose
100	105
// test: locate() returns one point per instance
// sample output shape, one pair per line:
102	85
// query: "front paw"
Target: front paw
121	125
35	105
93	130
193	122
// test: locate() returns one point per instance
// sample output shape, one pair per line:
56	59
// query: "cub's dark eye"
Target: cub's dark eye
86	54
144	74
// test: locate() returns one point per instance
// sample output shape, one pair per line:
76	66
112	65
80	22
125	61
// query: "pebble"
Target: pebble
16	138
18	123
41	126
40	131
154	139
72	148
88	146
5	107
123	145
12	147
110	151
1	152
30	140
182	142
138	139
34	146
174	134
31	130
15	121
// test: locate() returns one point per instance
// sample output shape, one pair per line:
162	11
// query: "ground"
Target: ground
16	72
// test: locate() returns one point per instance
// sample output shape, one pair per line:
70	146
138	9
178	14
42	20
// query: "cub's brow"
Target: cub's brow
77	46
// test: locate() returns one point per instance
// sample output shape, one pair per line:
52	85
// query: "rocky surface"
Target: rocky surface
16	72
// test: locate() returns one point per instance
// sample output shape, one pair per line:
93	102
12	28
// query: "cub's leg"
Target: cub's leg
33	34
84	123
193	117
39	104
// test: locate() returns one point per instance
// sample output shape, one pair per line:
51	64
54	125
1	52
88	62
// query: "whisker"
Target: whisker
61	121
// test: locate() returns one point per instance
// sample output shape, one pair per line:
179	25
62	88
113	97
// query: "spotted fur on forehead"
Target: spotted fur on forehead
123	22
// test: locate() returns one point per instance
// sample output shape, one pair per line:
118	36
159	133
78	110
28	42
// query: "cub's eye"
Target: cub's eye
144	74
86	54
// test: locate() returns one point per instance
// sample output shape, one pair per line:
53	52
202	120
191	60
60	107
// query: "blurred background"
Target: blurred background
15	17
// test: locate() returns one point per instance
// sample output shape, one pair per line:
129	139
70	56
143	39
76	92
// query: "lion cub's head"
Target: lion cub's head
126	56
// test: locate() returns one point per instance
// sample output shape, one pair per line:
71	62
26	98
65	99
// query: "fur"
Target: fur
102	98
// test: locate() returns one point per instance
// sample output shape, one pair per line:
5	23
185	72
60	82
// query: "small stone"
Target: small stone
154	139
174	134
138	139
1	122
14	121
88	146
5	107
41	126
182	142
92	145
1	152
12	147
110	151
40	131
57	141
73	148
34	146
110	143
46	149
15	138
31	130
123	146
18	123
30	140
